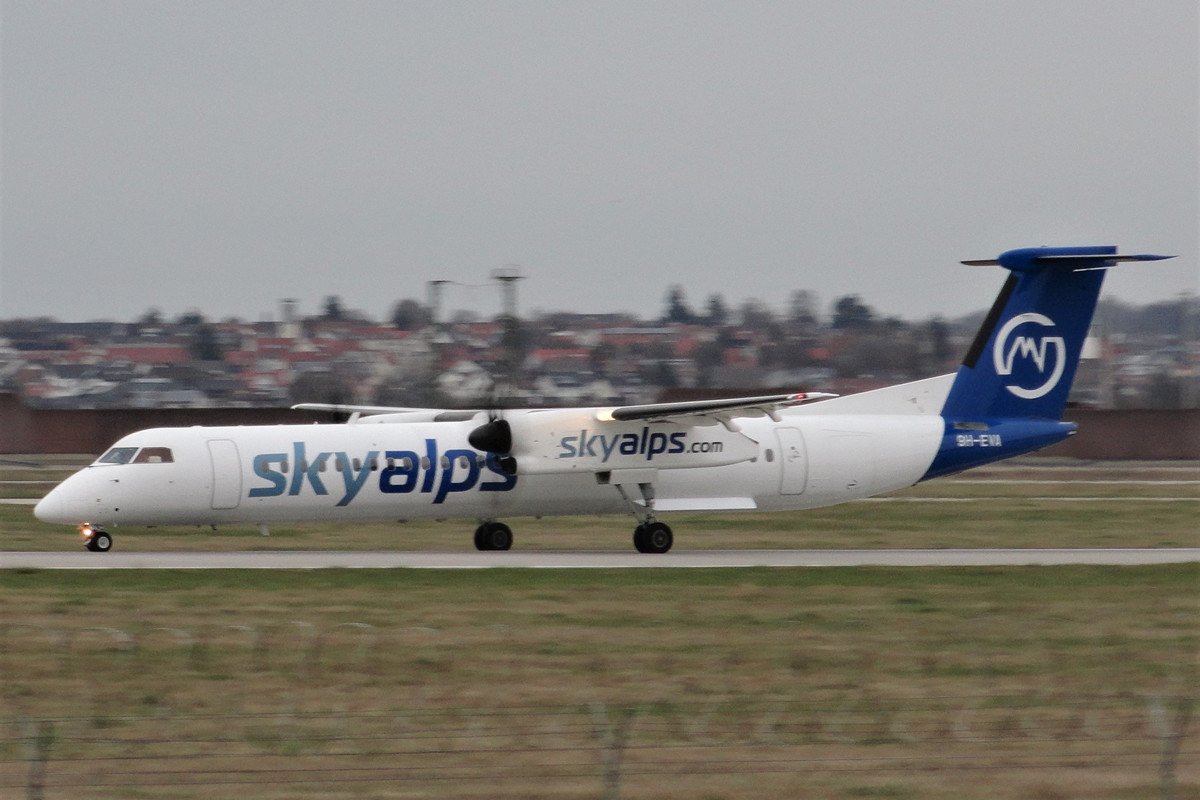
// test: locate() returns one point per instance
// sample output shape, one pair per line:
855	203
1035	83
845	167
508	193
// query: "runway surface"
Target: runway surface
596	560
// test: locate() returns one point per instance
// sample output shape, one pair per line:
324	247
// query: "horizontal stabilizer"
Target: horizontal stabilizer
1031	258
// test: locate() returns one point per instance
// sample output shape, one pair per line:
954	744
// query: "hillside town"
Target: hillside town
1137	356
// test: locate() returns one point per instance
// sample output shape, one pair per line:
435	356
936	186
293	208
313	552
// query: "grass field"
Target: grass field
1068	682
963	683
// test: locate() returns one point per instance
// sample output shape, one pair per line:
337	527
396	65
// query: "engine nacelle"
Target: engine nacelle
576	441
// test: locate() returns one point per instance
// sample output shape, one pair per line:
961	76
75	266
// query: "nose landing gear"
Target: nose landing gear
96	539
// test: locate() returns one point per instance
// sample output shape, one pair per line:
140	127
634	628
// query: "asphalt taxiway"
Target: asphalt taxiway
696	559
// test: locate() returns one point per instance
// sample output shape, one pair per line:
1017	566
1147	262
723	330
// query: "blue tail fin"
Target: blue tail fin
1012	387
1024	357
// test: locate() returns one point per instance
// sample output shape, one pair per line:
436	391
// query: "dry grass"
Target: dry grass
838	683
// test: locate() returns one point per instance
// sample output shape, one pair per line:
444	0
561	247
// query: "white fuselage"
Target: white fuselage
414	469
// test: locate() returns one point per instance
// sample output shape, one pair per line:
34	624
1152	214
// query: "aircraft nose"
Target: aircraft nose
57	507
51	507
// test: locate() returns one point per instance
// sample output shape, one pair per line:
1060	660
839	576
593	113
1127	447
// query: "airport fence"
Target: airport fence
511	752
327	733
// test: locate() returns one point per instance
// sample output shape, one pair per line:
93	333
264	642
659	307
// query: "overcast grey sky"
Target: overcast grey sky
222	155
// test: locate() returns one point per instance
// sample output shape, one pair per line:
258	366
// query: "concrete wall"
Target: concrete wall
31	431
1131	434
1141	435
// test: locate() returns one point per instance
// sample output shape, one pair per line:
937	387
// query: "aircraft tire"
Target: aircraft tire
639	538
658	538
655	537
493	536
101	542
500	537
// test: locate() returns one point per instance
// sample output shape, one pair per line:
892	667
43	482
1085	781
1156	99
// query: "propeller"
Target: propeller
495	437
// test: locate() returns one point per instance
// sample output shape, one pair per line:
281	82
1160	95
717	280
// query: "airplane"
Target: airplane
770	453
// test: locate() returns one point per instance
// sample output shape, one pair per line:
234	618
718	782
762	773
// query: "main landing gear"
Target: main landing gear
650	536
493	536
96	539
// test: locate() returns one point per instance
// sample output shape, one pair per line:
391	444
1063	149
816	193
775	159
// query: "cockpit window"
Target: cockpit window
132	455
118	455
154	455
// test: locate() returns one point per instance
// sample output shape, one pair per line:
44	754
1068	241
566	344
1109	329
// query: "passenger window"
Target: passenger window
117	455
154	455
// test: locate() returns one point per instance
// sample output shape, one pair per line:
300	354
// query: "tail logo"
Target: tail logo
1030	348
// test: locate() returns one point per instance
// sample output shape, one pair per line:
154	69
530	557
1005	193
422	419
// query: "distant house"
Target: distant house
465	382
572	389
558	359
163	393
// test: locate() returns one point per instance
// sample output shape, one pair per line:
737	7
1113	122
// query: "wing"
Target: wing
711	412
390	413
338	408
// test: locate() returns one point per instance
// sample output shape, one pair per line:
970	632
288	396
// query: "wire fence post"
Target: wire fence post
41	737
613	732
1172	731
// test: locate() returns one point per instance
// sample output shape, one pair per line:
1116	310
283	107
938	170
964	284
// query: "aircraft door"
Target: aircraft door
226	473
793	460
